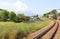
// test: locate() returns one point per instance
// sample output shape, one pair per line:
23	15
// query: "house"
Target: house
1	10
50	15
34	17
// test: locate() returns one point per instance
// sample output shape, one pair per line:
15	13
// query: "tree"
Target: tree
4	15
16	20
21	17
27	18
0	15
58	14
54	12
55	16
12	16
46	15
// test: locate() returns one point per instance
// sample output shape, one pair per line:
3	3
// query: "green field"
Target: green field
11	30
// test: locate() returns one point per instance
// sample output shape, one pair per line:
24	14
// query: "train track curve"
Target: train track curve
52	31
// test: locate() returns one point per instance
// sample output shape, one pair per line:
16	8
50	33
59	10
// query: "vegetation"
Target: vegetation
52	14
6	15
13	30
9	29
12	16
58	14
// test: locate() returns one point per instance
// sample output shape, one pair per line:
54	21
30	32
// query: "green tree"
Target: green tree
46	15
12	16
55	16
4	15
54	12
17	20
58	14
21	17
0	15
27	18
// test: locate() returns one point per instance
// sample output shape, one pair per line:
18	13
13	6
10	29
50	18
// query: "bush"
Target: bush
17	20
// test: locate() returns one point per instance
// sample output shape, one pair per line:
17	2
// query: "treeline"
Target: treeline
11	16
53	14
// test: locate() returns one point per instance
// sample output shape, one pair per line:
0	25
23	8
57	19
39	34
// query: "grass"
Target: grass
11	30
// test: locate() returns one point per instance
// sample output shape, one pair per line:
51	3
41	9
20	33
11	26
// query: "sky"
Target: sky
30	7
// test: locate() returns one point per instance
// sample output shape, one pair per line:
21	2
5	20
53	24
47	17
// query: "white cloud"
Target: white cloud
18	5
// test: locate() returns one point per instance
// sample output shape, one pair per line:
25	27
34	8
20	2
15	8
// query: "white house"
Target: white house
34	18
1	10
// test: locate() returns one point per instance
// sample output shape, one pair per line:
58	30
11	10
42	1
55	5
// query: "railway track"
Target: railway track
49	32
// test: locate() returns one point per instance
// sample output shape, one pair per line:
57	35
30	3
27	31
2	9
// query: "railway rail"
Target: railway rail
49	32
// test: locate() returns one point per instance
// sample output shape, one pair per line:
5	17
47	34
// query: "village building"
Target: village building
1	10
34	17
50	16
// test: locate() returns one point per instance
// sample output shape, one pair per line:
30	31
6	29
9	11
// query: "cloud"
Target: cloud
18	6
